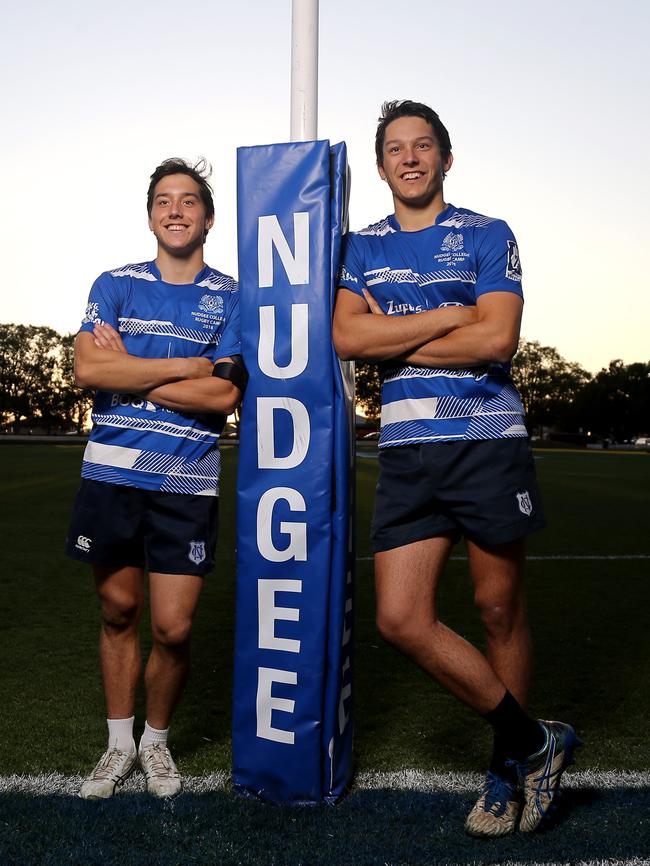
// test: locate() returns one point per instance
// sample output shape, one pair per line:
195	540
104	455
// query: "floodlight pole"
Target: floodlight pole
304	70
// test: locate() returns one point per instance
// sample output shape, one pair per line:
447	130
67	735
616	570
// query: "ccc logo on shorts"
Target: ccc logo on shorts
525	503
83	543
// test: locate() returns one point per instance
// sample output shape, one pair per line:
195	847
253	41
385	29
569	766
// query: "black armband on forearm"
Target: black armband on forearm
233	371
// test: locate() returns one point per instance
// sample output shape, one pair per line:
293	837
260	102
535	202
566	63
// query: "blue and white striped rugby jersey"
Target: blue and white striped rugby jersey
462	256
136	442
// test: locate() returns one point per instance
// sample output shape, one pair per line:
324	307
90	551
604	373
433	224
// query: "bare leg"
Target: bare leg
174	598
407	581
121	593
497	574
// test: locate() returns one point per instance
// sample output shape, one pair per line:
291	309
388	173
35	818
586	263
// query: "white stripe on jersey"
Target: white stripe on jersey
432	372
383	227
406	275
185	485
166	329
166	428
138	272
408	410
111	455
219	283
517	429
383	275
462	220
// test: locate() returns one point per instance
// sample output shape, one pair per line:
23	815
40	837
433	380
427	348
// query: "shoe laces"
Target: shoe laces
540	780
159	760
498	793
108	764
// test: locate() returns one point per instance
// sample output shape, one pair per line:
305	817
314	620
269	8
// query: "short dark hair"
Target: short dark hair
200	172
390	111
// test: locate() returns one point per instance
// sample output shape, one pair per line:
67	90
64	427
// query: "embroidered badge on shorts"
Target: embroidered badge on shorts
197	551
525	503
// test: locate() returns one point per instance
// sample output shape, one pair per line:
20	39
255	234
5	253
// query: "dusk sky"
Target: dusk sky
546	104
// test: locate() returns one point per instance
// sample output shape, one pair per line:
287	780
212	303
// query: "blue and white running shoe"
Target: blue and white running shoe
540	774
496	811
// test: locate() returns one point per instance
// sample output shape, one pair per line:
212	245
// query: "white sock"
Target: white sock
152	735
120	734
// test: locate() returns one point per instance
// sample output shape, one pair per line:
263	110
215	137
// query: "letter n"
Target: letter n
270	235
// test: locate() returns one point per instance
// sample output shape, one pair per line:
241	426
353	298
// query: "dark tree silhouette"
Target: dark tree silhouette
368	388
37	380
548	385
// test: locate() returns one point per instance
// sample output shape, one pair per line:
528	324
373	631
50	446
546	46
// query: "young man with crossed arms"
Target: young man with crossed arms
433	292
149	491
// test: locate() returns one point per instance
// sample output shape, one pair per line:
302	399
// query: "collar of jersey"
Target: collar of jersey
202	274
392	220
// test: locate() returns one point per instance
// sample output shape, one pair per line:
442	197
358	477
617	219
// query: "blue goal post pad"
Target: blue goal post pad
292	717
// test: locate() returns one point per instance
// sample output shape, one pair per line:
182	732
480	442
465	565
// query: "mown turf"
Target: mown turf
589	622
370	827
49	632
592	667
589	619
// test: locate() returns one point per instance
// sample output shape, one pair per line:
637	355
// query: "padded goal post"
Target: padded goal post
292	713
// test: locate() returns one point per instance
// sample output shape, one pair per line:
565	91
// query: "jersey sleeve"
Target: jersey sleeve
351	271
103	304
230	337
498	263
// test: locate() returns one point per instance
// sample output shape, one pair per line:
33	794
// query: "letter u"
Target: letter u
299	343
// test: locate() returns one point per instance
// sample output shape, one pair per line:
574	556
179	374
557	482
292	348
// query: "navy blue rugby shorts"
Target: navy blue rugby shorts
485	490
169	533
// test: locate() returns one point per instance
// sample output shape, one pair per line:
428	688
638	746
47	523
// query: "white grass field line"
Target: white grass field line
614	861
556	557
45	784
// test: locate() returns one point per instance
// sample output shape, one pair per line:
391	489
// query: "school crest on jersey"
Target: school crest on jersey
525	503
210	311
452	250
197	552
211	304
452	242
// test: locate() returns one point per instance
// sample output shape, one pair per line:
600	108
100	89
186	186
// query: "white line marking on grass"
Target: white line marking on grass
420	780
634	861
46	784
597	556
566	557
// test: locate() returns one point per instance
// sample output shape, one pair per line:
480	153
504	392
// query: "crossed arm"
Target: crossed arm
449	337
181	384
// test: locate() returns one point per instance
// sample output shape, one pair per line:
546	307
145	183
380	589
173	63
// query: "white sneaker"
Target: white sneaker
163	778
113	768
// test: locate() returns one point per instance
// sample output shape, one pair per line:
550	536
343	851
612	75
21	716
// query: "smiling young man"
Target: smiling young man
160	341
433	292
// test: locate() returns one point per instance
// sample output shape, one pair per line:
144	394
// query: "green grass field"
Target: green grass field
592	667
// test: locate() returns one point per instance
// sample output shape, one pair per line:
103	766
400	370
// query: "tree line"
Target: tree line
37	389
559	396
